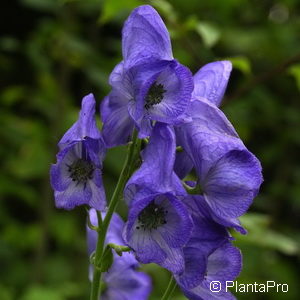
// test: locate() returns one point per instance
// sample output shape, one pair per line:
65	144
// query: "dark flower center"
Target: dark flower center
81	170
155	95
152	217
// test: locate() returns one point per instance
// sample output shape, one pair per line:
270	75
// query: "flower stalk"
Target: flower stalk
170	289
133	151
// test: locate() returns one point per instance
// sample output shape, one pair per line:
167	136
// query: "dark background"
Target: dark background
53	52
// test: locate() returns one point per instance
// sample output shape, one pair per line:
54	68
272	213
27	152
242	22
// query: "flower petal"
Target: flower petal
156	171
85	126
211	81
117	124
174	84
69	192
224	264
228	222
176	232
134	286
203	293
98	198
183	164
145	246
206	237
194	267
145	37
178	83
174	261
161	245
143	242
73	195
59	176
232	183
117	76
208	137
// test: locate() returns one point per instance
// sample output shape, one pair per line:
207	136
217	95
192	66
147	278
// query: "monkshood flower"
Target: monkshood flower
159	224
149	84
208	255
121	281
229	175
223	264
76	177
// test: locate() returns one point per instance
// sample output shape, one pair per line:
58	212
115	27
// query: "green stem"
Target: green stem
124	176
170	289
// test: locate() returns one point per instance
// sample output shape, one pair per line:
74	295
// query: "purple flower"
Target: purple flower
229	175
121	281
148	85
208	255
206	237
159	224
76	177
223	264
126	284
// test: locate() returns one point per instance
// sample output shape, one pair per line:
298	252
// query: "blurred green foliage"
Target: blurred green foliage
53	52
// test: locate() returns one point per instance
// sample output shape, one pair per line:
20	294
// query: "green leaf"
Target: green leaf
44	5
112	8
13	94
22	237
114	160
261	235
209	33
295	72
38	293
5	293
242	63
165	8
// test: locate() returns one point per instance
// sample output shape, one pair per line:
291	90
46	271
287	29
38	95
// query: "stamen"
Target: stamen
81	171
152	217
155	95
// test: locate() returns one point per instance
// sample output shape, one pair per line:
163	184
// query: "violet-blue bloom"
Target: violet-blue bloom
206	237
223	264
158	227
76	177
148	85
122	280
229	175
159	224
208	255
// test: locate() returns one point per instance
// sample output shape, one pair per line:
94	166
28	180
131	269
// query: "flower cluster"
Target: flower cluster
181	225
76	177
